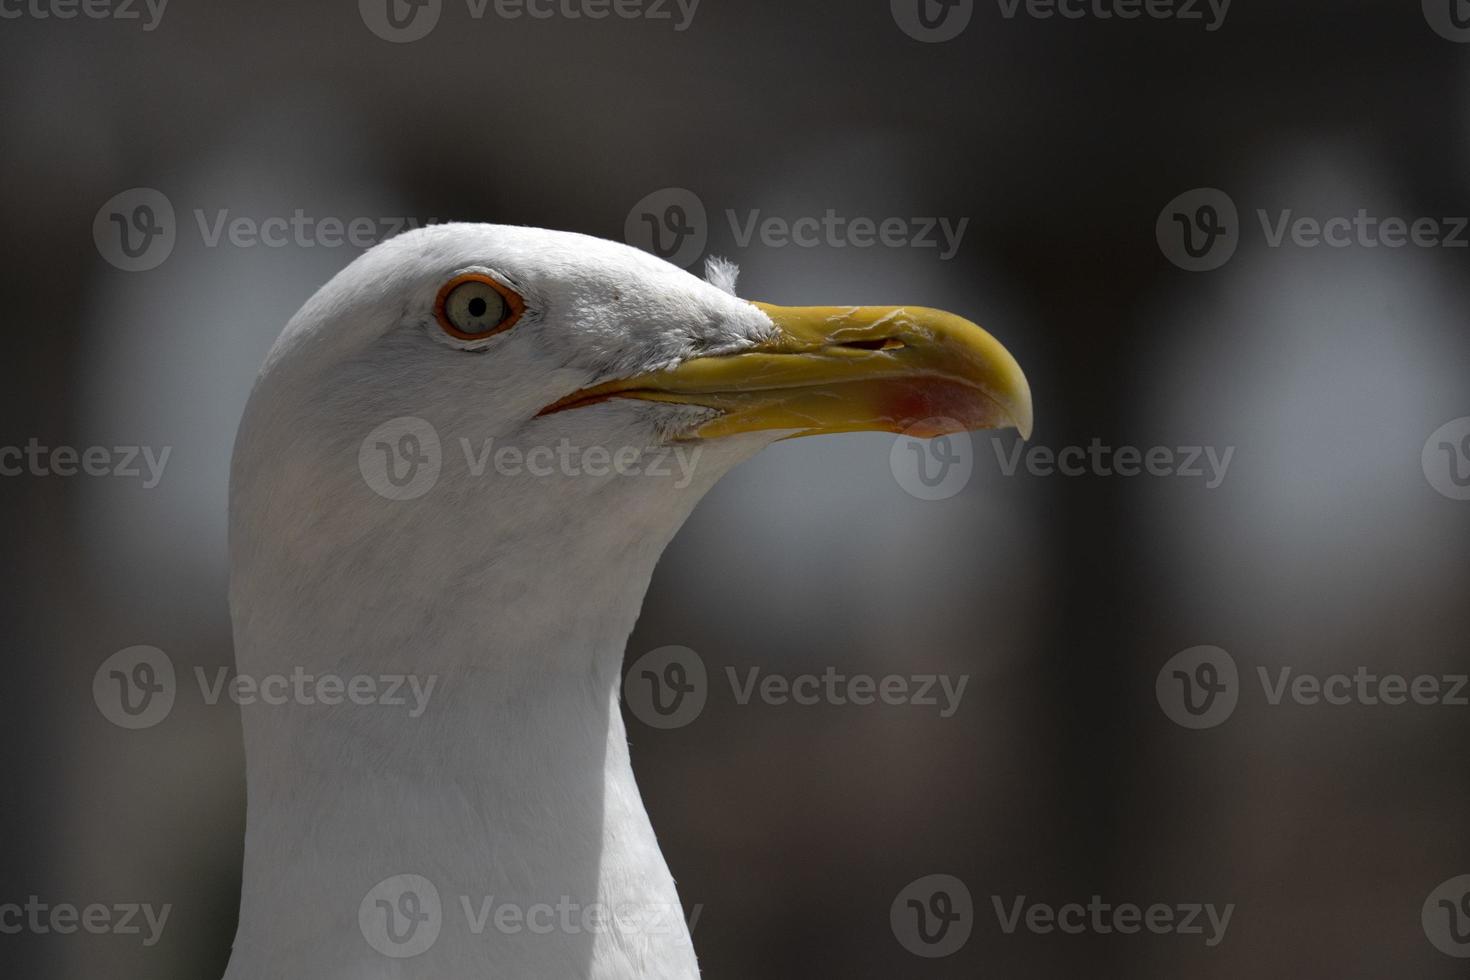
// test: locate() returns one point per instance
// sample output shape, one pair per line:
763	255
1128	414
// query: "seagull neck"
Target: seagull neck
484	753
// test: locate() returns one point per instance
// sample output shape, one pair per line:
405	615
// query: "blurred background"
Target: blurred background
1072	149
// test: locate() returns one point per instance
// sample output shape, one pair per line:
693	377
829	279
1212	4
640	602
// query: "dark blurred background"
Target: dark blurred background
1330	546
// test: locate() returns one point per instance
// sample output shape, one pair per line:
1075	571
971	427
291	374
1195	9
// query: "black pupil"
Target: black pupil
478	306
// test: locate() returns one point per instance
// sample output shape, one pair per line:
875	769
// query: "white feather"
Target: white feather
722	274
515	592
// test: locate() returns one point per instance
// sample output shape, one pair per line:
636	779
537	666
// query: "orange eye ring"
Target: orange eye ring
514	306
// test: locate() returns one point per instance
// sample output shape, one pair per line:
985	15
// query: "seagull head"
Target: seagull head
466	390
540	333
460	465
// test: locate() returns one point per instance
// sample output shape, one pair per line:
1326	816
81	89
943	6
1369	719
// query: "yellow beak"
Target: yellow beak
846	369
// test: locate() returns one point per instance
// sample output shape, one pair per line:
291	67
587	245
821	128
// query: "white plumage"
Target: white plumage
516	591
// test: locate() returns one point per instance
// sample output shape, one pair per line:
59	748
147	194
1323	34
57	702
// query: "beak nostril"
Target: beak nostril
887	343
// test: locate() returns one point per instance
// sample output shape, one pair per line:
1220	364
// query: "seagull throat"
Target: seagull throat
511	795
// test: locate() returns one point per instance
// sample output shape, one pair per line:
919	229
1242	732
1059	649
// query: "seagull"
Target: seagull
389	532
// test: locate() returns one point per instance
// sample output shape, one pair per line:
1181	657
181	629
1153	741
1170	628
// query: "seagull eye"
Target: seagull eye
474	306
